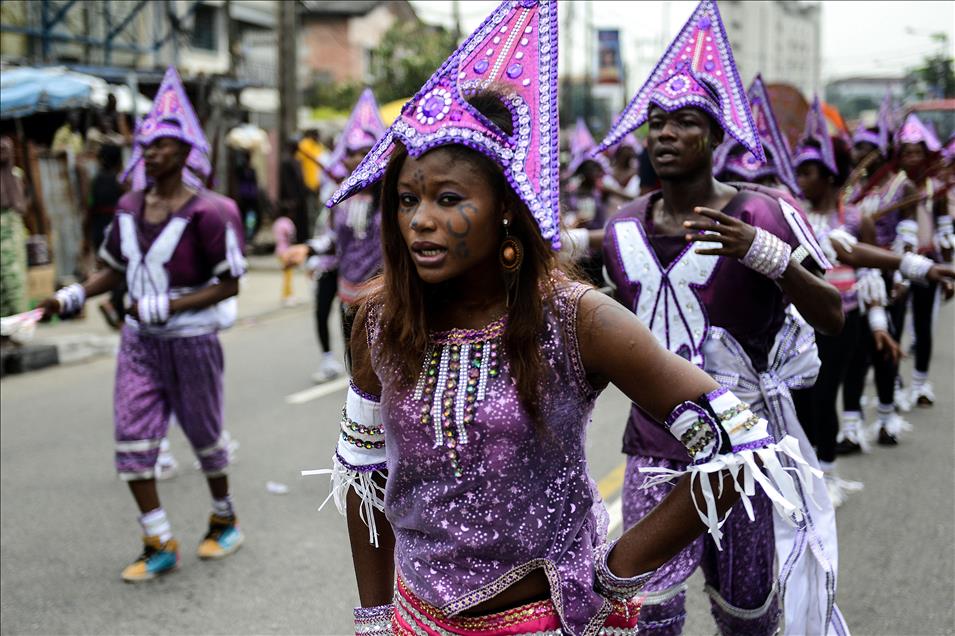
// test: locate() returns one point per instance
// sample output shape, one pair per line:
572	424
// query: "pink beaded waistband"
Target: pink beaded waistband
414	616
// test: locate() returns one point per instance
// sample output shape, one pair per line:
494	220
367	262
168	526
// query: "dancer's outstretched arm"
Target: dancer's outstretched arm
616	347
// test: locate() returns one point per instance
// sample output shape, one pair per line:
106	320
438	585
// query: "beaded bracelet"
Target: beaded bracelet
915	266
373	621
71	299
609	584
768	255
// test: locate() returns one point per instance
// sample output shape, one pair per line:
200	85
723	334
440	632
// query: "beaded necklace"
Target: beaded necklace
458	364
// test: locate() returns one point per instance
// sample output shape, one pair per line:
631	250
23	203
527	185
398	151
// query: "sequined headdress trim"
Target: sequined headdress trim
697	70
817	130
514	49
581	145
171	115
914	131
778	155
880	137
363	128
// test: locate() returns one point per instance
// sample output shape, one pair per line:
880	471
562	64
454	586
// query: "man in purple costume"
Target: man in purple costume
179	248
354	232
728	294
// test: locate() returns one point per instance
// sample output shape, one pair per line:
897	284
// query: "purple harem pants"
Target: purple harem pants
158	376
740	579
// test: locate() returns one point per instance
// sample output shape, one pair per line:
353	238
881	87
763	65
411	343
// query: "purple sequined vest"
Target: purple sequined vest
477	497
702	294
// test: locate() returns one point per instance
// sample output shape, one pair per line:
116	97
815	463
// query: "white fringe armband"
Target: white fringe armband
722	433
359	458
870	286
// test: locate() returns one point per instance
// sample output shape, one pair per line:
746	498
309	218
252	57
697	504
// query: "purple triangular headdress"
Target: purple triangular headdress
514	50
363	128
778	155
697	70
817	130
913	131
581	145
949	150
880	136
171	115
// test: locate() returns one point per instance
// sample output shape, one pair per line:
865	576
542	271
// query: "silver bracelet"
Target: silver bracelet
373	621
915	266
609	584
769	255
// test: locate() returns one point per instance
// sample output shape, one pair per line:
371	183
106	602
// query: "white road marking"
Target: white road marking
615	510
318	391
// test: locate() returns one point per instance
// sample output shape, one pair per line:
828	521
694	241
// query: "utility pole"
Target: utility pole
589	61
288	68
567	48
232	33
456	12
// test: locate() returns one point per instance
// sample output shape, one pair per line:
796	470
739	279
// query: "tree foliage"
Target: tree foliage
409	53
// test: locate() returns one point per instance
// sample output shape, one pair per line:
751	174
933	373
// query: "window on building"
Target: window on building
205	35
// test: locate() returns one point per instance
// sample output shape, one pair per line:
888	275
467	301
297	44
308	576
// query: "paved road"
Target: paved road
68	526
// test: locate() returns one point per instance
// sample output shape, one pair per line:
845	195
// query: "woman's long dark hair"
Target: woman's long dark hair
406	301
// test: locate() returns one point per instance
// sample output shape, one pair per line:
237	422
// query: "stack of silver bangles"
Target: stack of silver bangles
612	586
153	310
71	299
915	266
373	621
768	255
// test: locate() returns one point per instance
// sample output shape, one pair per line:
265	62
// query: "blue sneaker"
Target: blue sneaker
157	559
223	538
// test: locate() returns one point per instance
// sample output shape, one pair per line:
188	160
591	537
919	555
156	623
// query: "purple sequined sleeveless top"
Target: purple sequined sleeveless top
476	496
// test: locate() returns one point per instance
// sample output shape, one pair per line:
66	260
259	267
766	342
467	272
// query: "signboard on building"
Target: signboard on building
609	60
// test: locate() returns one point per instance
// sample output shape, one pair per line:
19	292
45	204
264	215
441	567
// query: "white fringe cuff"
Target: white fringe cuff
772	476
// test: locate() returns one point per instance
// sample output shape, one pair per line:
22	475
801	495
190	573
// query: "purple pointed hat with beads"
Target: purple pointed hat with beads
363	128
880	136
816	130
171	115
914	131
581	144
776	148
697	70
513	52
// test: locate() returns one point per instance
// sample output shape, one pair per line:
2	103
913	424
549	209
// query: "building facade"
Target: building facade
337	38
780	39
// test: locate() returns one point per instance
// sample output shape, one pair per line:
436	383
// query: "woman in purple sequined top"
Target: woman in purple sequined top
486	379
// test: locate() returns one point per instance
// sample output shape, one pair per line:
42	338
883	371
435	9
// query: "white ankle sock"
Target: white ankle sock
885	411
919	378
223	507
155	524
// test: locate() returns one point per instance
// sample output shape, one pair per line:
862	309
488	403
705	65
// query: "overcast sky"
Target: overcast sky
858	38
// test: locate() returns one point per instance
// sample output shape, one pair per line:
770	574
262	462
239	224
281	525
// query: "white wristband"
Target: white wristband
915	266
768	255
71	299
878	319
154	310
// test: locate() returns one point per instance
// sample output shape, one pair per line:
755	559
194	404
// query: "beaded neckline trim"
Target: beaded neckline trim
470	336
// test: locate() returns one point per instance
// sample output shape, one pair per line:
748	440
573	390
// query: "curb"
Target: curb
78	348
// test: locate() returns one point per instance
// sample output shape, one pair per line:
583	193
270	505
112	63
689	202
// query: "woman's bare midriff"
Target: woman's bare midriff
533	587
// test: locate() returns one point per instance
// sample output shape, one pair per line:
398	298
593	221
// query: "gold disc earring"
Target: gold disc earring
512	252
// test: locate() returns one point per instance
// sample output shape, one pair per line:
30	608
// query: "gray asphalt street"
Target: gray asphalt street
68	526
